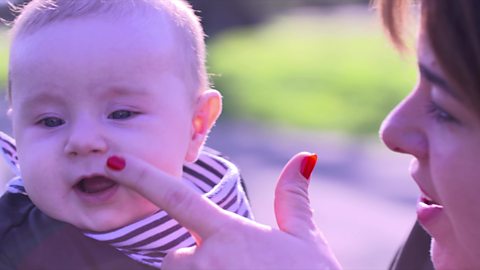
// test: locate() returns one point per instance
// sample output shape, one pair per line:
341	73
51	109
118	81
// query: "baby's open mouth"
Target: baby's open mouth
95	184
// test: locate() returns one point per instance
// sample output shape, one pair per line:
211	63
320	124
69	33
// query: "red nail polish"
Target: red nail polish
116	163
308	163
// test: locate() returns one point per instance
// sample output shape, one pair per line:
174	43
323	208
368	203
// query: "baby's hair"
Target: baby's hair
39	13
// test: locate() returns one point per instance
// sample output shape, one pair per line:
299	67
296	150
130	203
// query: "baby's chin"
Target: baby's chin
100	227
108	224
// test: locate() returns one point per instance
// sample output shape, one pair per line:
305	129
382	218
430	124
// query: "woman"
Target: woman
438	124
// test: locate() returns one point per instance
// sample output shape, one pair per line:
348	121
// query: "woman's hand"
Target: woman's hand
228	241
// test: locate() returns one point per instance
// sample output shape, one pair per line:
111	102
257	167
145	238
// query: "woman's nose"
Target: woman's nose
404	129
85	138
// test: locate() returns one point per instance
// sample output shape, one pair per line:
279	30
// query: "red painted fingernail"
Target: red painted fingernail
116	163
308	163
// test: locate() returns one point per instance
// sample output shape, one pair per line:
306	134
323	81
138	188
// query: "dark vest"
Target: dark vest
31	240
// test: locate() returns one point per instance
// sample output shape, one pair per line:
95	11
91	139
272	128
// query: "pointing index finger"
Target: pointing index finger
198	214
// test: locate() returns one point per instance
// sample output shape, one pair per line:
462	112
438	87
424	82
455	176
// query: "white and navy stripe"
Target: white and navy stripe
9	152
150	239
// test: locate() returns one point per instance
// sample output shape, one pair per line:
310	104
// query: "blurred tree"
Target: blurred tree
5	12
219	15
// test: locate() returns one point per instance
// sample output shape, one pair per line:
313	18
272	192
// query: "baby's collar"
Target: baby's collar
9	153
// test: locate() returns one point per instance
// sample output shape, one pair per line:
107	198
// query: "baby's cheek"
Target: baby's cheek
41	179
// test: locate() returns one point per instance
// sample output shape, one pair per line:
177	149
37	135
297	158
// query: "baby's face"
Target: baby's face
84	90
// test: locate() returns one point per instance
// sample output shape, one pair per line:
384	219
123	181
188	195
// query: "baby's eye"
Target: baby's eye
121	114
51	121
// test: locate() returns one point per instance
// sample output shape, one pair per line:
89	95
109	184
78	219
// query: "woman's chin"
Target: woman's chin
449	256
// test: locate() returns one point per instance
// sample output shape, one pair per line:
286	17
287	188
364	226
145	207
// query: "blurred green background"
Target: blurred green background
328	71
306	64
3	58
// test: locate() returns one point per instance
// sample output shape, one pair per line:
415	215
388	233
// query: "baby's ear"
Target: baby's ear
207	110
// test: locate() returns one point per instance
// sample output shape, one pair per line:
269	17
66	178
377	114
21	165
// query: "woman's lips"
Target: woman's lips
96	189
428	211
425	199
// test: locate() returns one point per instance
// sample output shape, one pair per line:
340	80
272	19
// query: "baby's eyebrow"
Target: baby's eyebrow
40	99
127	91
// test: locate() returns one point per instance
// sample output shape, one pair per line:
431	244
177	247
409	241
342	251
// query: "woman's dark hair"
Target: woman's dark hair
453	29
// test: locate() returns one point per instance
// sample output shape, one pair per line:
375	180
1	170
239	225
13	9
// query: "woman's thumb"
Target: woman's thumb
292	205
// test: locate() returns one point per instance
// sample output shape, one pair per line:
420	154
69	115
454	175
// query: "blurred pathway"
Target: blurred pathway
363	198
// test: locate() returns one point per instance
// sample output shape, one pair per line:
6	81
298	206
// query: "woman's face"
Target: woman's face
434	125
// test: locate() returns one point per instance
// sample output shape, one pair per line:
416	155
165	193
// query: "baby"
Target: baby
89	79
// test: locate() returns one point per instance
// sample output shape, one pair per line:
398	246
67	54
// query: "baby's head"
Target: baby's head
91	78
172	19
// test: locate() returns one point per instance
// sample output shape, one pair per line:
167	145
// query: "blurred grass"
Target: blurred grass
3	59
330	72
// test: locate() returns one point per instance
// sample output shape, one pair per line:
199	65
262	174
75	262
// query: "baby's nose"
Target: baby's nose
85	139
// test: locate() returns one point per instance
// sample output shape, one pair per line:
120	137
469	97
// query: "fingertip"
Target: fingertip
296	173
292	207
300	166
308	164
116	163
